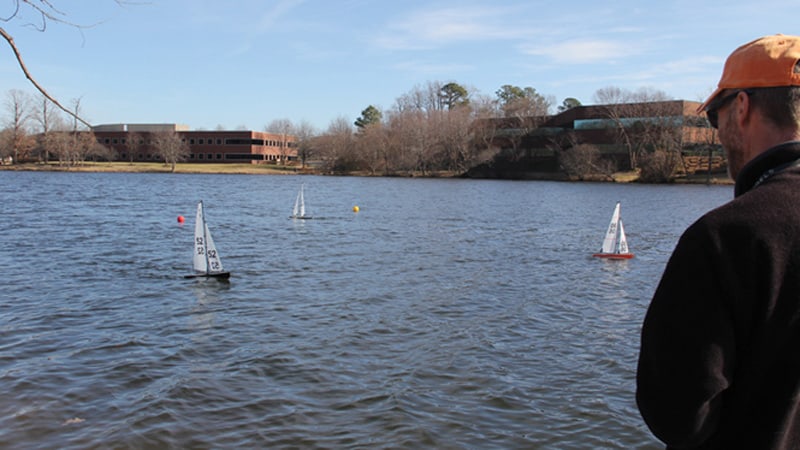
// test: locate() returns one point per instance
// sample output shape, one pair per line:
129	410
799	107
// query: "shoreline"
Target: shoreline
156	167
263	169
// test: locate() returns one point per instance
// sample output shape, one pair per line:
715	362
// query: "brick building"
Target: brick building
218	146
615	129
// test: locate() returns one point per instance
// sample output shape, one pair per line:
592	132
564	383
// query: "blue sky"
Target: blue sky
245	63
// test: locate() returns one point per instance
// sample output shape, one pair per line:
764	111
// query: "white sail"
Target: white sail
212	256
199	262
299	210
623	242
610	240
206	258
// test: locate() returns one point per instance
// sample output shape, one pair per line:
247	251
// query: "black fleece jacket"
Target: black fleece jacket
719	364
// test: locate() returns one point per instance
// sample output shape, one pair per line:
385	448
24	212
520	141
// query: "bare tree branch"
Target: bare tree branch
33	81
47	11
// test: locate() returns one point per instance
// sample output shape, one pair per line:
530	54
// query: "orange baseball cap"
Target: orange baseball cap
770	61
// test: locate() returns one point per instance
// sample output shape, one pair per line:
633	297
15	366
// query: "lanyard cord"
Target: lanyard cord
764	176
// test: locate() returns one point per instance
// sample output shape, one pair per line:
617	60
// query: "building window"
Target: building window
210	156
219	155
219	141
201	141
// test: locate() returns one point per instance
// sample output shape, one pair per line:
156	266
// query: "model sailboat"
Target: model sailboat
206	261
615	245
299	210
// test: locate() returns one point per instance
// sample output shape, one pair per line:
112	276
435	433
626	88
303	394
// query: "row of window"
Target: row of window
208	156
208	141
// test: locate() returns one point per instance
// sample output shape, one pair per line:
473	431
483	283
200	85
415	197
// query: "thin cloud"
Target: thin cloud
432	68
429	29
268	20
582	51
687	66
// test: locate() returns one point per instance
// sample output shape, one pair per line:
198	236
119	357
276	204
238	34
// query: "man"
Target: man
719	365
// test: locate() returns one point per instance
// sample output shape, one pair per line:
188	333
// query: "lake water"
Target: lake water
448	314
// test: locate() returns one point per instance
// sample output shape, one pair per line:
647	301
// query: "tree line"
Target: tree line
435	127
445	127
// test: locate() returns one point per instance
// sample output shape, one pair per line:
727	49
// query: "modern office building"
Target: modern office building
134	142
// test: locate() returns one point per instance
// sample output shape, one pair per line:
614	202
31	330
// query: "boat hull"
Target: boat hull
217	275
613	255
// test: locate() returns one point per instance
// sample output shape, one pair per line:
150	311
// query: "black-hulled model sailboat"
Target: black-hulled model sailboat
206	261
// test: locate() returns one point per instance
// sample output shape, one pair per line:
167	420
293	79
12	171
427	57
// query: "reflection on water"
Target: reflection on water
444	314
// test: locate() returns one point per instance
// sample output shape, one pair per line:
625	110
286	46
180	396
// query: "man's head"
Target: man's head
757	102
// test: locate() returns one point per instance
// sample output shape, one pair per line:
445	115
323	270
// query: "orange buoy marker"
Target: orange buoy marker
355	208
181	219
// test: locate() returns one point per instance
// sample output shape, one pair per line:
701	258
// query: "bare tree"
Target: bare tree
98	151
304	134
455	139
626	109
422	98
47	118
372	144
485	128
18	104
583	160
61	144
336	145
6	149
524	110
171	147
85	146
283	128
76	120
133	142
659	166
410	140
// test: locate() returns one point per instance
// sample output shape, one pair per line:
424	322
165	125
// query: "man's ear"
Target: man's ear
744	109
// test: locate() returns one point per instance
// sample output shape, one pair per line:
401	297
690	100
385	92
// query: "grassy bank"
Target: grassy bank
156	167
268	169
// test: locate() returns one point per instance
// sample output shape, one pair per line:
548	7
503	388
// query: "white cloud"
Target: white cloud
583	51
435	28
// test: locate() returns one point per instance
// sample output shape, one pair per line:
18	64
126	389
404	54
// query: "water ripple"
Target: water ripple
449	314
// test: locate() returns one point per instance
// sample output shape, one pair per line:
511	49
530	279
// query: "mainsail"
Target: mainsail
299	204
200	261
206	259
611	238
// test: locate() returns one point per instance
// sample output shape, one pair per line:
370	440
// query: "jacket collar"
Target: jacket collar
765	165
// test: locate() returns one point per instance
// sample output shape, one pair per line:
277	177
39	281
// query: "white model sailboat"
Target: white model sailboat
299	210
205	262
615	245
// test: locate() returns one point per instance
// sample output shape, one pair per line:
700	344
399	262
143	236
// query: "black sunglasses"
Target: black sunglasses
712	112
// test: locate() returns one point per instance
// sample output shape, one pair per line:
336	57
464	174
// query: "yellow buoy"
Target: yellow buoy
355	208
